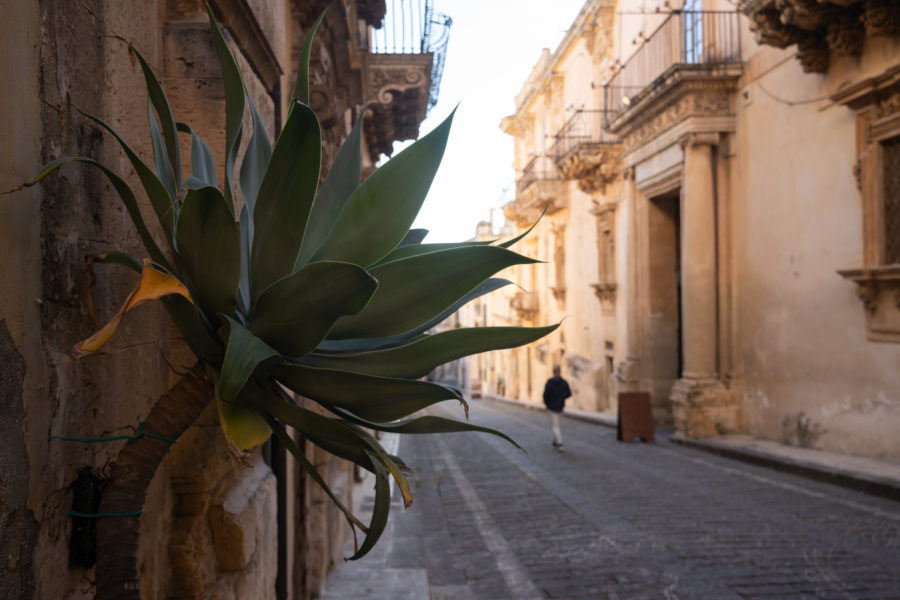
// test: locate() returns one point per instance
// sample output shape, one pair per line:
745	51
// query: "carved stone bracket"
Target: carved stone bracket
878	289
595	167
606	292
525	304
821	27
533	199
397	87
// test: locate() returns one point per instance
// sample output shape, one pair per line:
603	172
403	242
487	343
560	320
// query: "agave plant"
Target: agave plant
319	291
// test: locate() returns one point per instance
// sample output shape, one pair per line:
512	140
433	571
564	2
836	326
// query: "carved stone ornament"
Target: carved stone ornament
710	97
397	89
881	17
605	292
878	288
594	167
820	27
531	201
385	83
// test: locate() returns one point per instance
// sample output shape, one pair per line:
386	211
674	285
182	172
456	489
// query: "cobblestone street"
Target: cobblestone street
613	520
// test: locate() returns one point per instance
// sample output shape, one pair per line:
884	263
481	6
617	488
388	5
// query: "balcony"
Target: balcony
585	152
690	49
404	60
538	186
525	304
821	30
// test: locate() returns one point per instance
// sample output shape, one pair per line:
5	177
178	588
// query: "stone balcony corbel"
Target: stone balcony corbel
821	28
594	167
397	89
878	288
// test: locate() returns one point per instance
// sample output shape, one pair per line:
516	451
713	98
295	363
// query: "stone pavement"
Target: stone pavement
612	520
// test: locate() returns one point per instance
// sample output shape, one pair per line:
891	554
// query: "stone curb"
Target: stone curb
812	464
819	470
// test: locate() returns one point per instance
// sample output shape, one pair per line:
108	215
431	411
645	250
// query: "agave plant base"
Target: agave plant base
117	576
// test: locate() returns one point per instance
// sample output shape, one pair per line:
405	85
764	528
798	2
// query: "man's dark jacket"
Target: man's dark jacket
556	390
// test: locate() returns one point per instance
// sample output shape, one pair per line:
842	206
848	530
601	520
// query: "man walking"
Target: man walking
556	390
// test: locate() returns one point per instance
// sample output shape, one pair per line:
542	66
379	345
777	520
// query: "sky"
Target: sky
493	46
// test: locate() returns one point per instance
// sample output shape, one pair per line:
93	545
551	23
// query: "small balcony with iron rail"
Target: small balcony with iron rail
587	153
538	186
403	63
690	49
525	305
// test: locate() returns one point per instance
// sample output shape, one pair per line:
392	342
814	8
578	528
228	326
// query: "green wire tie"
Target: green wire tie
73	513
140	433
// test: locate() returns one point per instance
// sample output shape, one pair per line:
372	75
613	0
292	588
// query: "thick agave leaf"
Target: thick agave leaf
198	335
413	290
301	88
425	425
288	442
243	423
332	435
245	355
152	285
381	343
119	258
125	194
394	465
381	509
378	399
171	159
296	312
340	183
209	251
203	163
346	442
234	104
413	236
156	190
409	250
379	213
256	159
160	158
285	199
423	356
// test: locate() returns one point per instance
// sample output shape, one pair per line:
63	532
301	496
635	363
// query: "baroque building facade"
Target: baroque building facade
733	218
213	526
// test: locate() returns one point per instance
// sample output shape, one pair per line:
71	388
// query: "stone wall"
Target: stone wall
210	526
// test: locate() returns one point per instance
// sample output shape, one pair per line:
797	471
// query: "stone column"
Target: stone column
627	371
698	259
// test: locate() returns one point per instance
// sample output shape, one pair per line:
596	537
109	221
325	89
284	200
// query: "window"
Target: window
877	105
891	181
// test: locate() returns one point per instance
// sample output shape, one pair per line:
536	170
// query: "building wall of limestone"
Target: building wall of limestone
806	371
792	359
209	526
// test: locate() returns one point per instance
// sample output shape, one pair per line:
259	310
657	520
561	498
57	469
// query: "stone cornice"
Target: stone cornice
820	28
238	17
870	90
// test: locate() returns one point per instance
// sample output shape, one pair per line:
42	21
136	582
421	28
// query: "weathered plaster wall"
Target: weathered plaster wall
23	369
807	373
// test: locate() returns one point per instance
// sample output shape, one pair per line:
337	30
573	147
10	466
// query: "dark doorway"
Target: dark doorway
664	299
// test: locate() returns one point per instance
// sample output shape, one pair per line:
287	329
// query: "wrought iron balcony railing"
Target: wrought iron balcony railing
692	39
539	168
413	27
584	130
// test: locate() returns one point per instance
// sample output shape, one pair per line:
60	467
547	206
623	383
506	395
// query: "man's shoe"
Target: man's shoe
560	447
